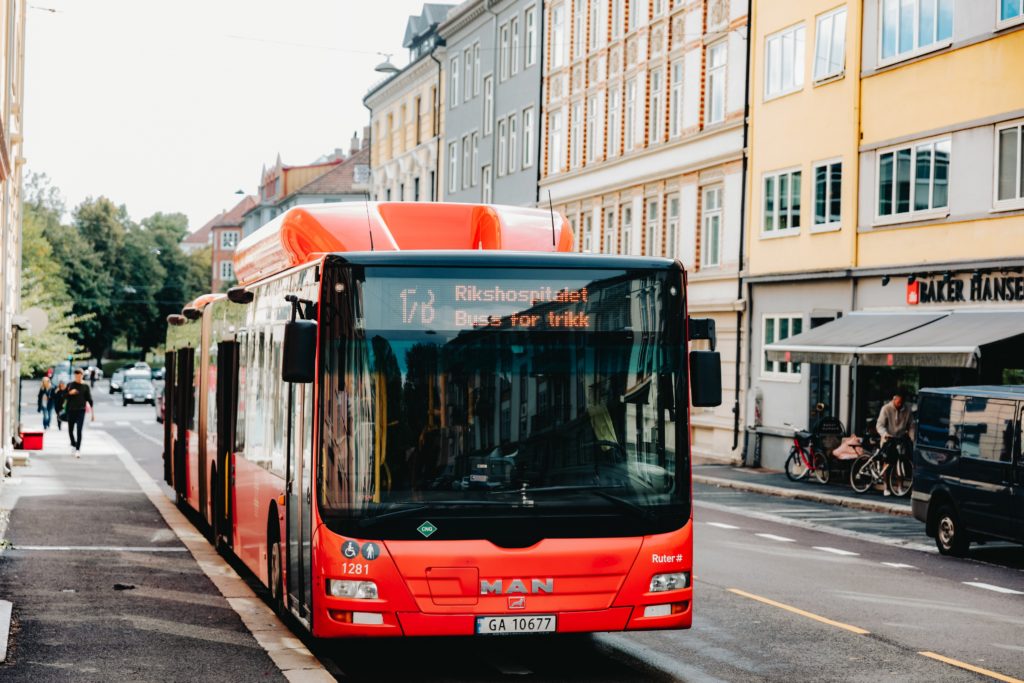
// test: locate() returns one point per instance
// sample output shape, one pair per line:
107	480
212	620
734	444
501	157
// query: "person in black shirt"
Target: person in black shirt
78	396
59	395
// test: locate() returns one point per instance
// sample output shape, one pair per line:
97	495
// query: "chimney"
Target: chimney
366	137
339	154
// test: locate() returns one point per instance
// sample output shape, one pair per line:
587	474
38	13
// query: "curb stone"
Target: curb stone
813	496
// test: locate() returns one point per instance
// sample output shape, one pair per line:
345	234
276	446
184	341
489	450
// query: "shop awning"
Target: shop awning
939	339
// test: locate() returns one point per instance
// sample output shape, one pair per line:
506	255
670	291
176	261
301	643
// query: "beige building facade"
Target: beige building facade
643	152
12	73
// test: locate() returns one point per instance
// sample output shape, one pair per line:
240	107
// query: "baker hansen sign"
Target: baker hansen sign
983	288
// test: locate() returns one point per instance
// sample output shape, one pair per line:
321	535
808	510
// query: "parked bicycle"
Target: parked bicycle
805	460
873	469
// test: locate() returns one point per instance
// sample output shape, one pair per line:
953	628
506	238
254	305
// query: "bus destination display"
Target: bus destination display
451	304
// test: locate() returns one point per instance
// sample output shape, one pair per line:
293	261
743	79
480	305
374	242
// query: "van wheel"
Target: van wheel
950	537
274	574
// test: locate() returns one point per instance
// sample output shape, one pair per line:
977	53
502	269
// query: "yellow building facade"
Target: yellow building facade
886	186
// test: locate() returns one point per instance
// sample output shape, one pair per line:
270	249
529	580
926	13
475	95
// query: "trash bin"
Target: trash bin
32	441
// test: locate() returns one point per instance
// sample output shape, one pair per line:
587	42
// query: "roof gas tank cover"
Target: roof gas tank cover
302	233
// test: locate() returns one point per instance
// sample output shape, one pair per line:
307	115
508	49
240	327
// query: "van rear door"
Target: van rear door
987	441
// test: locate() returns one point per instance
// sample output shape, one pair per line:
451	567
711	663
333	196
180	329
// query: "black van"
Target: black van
968	465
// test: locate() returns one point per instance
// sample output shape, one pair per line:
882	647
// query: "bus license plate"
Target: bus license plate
527	623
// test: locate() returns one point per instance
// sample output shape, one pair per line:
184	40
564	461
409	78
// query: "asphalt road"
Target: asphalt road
785	590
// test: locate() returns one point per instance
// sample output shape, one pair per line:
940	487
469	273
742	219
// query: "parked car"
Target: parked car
161	403
968	466
138	390
116	381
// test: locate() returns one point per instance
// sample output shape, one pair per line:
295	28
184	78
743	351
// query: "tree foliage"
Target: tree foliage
107	276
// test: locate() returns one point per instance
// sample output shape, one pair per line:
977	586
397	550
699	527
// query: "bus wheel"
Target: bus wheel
274	573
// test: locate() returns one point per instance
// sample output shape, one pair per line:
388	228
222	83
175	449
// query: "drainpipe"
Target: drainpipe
439	42
743	222
539	109
495	58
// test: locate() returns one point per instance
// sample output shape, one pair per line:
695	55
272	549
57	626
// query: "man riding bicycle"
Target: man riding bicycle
895	426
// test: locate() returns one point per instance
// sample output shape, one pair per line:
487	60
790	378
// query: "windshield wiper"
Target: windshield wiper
412	509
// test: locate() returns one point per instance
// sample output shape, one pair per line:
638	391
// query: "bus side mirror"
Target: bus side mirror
705	379
298	361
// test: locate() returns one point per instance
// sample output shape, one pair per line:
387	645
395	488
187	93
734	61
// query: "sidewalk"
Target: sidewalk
836	492
104	589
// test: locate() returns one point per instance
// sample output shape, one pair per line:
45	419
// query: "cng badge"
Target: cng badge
427	529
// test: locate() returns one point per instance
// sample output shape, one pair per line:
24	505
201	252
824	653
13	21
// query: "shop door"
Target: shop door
987	435
300	498
823	385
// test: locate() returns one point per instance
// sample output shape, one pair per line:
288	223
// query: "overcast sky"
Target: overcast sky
175	105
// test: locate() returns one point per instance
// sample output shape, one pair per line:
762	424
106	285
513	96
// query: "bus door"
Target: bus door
184	395
300	498
168	403
227	413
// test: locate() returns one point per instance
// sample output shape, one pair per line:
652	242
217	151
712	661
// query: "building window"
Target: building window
597	13
227	270
910	27
476	69
781	202
1011	10
711	228
591	132
616	18
659	8
784	65
657	112
229	239
914	179
637	13
630	114
626	234
467	74
609	231
830	45
555	154
453	83
672	226
453	166
676	100
488	104
588	233
433	181
557	36
651	245
776	328
476	155
467	160
614	134
416	189
828	189
528	137
417	112
504	60
486	173
513	141
531	36
717	56
502	147
514	52
575	126
1010	166
578	17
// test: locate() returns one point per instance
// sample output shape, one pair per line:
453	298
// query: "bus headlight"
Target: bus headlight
669	582
360	590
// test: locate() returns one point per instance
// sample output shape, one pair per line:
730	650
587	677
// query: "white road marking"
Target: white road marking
773	537
122	423
990	587
104	548
721	525
899	565
95	424
836	551
146	436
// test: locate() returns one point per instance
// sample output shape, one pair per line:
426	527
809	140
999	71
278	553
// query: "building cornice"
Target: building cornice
919	269
461	17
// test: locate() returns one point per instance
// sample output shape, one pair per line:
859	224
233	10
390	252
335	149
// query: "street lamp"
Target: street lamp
386	67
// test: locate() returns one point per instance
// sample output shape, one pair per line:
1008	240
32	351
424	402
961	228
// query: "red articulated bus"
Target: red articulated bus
430	419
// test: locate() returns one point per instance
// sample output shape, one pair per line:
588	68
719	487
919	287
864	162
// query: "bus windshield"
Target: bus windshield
504	403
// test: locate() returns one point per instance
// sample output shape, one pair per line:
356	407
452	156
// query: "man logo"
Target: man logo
517	602
516	586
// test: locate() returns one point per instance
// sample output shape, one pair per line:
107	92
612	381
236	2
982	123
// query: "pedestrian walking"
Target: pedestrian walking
44	401
60	396
78	397
92	377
